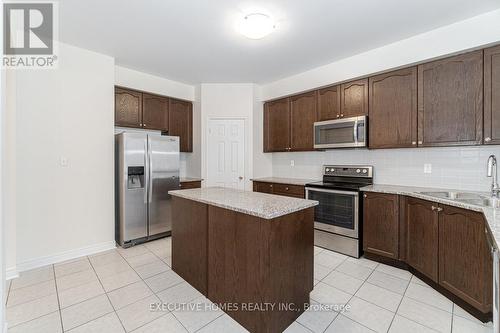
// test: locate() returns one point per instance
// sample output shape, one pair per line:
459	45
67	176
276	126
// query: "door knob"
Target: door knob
240	178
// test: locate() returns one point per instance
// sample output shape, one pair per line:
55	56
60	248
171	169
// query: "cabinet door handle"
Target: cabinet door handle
433	207
144	125
338	116
341	115
414	142
286	188
420	142
488	139
365	196
439	209
271	186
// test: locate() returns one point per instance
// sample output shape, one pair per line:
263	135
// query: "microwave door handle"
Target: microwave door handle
356	131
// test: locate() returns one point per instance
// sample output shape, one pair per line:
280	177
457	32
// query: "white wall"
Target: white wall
468	34
63	212
9	173
233	101
3	105
130	78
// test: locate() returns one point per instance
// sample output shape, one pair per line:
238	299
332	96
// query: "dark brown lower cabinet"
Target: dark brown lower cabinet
188	185
189	242
381	224
262	187
296	191
421	224
447	245
465	265
244	262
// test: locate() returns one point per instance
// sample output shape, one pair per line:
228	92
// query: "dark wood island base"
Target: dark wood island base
259	271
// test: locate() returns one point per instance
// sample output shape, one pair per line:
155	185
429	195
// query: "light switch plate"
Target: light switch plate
64	161
427	168
292	163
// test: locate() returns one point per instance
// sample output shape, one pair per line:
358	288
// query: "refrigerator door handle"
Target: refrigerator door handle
150	172
146	173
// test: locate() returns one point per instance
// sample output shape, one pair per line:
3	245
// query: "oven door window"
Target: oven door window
337	211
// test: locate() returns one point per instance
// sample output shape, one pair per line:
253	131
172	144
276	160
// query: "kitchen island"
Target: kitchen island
250	253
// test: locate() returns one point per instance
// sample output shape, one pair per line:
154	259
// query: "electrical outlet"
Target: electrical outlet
292	163
64	161
427	168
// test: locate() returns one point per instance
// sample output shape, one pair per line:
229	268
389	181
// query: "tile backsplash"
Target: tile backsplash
451	167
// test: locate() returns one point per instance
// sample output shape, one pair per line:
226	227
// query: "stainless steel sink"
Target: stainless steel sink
485	202
453	195
465	197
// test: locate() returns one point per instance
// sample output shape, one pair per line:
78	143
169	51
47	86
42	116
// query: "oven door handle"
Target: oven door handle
353	193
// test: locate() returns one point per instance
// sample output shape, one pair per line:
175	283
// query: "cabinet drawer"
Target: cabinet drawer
186	185
263	187
291	190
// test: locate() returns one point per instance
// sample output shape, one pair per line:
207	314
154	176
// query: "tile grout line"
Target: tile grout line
54	278
154	292
401	301
107	296
8	294
173	314
353	295
58	307
57	295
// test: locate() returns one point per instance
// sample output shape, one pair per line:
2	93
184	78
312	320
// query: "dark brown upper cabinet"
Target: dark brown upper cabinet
465	264
303	114
329	103
128	108
277	125
354	99
381	224
421	225
450	101
492	95
393	109
154	112
180	123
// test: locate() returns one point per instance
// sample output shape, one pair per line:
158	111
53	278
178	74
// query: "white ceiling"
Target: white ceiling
195	41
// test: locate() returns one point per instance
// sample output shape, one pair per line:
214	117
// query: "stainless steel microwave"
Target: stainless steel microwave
341	133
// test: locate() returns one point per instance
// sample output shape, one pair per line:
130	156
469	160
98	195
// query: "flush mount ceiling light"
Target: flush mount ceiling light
256	26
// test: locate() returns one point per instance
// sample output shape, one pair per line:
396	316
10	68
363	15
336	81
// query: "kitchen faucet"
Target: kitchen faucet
492	163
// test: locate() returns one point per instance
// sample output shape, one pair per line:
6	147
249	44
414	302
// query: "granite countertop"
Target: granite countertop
258	204
190	179
280	180
491	215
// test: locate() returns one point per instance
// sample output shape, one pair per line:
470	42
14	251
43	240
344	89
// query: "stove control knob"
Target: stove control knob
327	170
358	170
332	170
365	171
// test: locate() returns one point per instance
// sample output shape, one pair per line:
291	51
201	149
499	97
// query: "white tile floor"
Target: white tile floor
112	292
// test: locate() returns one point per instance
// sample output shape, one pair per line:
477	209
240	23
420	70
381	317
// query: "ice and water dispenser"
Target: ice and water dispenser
135	177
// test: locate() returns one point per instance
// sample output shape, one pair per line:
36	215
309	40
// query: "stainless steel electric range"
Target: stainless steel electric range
338	219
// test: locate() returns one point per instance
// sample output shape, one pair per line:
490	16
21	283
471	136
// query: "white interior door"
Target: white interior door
226	153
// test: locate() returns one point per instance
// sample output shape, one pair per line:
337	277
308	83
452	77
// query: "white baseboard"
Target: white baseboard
66	255
11	273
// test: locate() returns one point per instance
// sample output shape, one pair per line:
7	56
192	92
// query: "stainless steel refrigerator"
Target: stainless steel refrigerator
147	167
